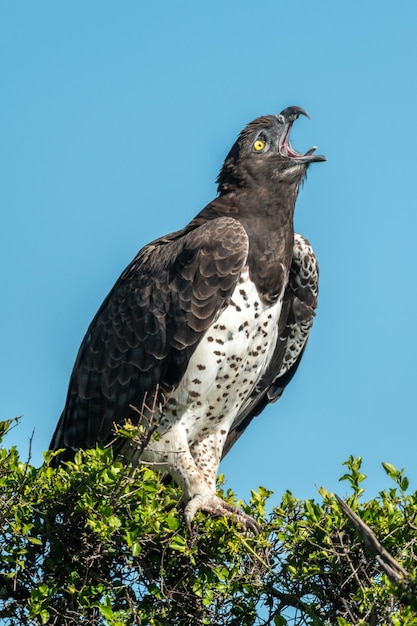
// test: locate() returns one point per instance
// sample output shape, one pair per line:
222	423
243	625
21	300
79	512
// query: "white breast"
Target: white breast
227	364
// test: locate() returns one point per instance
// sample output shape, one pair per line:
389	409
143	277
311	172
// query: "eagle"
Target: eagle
205	327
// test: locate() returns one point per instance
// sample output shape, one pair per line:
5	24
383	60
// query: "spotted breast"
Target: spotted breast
221	375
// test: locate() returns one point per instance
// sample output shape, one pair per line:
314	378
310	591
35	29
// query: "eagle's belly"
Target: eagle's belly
221	374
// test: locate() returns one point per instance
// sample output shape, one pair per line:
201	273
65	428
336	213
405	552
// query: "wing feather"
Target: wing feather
148	327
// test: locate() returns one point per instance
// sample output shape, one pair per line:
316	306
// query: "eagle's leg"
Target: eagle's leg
199	485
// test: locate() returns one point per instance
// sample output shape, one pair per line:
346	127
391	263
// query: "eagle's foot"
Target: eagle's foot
216	506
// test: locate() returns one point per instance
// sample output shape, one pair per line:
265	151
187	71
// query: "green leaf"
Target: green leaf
172	521
390	469
178	543
404	484
35	541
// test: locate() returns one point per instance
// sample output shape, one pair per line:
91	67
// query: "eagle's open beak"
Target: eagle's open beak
290	114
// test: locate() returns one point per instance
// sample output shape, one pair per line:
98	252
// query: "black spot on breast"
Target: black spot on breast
236	306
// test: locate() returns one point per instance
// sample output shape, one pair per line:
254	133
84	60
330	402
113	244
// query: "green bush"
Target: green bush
99	543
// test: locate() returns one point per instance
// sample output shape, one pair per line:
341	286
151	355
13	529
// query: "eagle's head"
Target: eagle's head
263	152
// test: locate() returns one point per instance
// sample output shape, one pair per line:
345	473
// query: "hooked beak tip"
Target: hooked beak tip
292	113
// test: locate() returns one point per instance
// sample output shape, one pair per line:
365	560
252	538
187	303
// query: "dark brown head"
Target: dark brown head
263	152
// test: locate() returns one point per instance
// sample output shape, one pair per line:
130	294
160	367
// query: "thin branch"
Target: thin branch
294	601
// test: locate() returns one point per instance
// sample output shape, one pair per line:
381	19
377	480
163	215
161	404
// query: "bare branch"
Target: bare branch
391	567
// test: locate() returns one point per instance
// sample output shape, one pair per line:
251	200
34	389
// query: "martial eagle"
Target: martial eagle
208	324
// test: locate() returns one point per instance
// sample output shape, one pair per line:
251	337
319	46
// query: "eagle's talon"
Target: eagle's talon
216	506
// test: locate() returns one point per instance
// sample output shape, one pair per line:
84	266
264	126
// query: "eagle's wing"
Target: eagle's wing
151	322
296	320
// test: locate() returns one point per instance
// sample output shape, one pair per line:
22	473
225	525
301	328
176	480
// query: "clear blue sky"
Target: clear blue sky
115	119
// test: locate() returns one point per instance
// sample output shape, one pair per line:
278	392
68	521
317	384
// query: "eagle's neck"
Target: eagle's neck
268	220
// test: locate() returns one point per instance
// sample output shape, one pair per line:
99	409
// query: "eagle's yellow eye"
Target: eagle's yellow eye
259	145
